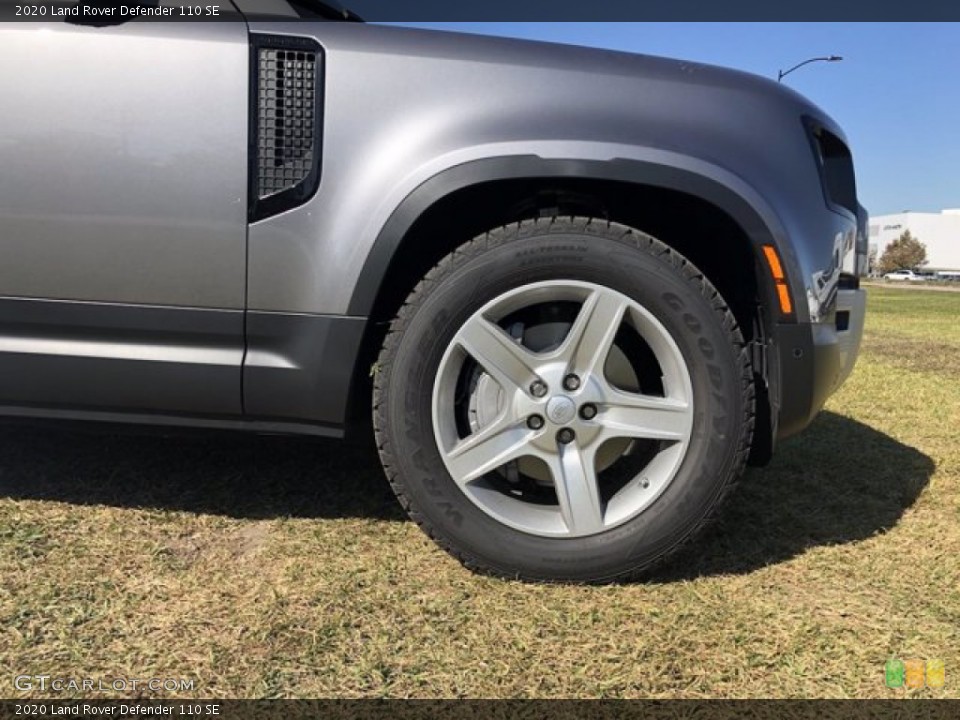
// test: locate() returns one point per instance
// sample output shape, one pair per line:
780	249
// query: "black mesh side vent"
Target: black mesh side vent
286	126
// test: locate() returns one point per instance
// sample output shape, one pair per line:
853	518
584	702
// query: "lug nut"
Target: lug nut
538	388
588	411
571	382
565	436
534	422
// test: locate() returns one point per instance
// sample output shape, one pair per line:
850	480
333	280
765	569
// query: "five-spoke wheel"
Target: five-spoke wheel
559	406
563	399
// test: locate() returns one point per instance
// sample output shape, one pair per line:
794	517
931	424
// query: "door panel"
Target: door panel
123	184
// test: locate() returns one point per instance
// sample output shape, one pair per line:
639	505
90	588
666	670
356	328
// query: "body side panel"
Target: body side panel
124	162
123	233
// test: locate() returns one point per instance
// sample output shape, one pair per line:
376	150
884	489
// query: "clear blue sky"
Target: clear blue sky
896	93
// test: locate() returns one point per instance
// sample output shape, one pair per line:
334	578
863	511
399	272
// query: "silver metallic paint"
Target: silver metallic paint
404	105
123	162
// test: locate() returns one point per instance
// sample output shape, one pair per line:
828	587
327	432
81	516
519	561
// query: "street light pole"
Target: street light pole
827	58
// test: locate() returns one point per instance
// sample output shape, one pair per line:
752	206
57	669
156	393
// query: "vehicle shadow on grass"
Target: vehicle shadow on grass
837	482
840	481
237	475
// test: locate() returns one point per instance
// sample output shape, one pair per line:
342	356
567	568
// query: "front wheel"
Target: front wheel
563	399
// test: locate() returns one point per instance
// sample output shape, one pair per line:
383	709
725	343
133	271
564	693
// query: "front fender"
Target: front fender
660	169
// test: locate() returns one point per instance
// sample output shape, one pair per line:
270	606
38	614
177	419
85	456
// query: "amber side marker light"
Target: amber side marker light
776	269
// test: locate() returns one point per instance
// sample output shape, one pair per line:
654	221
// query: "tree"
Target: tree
906	252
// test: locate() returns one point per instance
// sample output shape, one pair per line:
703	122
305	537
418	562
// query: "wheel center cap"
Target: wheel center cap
561	409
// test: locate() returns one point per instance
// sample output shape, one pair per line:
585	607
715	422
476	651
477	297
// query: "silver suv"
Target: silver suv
580	289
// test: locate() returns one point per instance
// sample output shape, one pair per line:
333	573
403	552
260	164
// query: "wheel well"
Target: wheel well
699	230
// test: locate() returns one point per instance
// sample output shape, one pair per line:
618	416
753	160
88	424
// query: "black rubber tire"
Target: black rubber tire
590	250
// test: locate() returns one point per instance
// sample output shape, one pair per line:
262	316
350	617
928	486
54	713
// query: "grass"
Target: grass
269	567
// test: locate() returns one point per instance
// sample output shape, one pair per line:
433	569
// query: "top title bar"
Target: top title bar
106	12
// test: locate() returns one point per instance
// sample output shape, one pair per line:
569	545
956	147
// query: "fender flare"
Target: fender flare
516	167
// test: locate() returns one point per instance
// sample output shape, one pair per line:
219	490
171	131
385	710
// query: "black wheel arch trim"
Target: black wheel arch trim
518	167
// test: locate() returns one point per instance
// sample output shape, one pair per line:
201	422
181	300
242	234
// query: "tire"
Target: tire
538	301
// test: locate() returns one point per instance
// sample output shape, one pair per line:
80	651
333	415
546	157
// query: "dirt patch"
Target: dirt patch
239	544
249	540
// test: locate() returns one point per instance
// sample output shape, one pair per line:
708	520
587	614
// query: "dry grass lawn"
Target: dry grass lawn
269	567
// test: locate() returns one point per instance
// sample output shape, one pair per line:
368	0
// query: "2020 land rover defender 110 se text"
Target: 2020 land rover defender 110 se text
591	286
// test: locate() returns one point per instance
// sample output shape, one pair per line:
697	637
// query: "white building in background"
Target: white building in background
940	232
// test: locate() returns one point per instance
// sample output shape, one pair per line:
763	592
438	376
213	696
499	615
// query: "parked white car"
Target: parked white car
905	275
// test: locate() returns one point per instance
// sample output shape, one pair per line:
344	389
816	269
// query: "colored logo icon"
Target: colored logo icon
914	672
936	675
893	673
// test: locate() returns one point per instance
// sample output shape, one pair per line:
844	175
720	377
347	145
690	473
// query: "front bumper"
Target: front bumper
853	305
815	359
